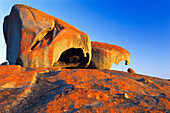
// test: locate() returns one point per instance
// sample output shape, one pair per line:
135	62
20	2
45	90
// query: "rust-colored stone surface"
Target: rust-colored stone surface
52	90
36	39
104	55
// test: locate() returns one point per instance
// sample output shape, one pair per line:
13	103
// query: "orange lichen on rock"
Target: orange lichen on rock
104	55
80	90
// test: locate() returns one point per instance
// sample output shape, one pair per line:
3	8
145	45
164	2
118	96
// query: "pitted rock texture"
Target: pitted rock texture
104	55
52	90
36	39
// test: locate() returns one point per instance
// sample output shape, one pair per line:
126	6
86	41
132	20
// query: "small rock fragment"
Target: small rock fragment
4	63
130	70
126	95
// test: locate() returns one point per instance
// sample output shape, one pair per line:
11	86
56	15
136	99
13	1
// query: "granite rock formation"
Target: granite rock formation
36	39
53	90
104	55
43	45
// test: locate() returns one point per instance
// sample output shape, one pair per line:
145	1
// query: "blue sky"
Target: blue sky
140	26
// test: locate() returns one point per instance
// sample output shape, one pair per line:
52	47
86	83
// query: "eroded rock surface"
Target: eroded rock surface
36	39
52	90
104	55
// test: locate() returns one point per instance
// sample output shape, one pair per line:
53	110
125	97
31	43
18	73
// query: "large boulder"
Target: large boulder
50	90
104	55
36	39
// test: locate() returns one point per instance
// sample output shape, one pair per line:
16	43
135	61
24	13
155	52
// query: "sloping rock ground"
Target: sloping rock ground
52	90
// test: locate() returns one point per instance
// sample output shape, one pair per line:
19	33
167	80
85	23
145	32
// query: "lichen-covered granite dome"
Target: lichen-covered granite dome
52	90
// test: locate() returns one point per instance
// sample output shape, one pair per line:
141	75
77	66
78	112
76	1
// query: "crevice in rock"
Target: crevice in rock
49	36
72	58
19	62
35	45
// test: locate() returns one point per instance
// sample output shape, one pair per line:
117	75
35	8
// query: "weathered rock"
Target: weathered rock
36	39
50	90
104	55
130	70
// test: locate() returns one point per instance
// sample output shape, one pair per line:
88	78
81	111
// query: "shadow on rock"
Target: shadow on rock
42	91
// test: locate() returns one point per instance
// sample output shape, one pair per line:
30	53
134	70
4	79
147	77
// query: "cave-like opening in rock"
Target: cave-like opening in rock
72	58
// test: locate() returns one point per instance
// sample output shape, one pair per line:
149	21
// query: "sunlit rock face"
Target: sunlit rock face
36	39
53	90
104	55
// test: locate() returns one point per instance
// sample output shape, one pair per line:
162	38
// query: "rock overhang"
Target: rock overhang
104	55
40	39
36	39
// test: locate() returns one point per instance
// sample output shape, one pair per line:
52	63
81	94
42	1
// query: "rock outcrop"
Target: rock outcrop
104	55
53	90
43	44
36	39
